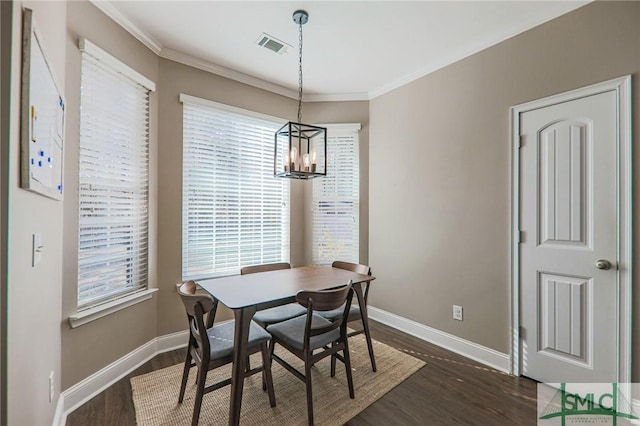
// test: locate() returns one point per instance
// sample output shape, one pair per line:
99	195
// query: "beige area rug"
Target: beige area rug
155	394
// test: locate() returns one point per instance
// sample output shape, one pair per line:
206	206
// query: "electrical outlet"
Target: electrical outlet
457	312
51	388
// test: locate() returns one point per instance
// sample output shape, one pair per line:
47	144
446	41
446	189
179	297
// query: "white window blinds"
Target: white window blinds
113	179
235	213
336	199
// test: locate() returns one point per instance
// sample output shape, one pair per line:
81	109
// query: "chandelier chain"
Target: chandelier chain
300	73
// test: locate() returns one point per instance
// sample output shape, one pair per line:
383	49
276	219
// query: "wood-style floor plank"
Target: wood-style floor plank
449	390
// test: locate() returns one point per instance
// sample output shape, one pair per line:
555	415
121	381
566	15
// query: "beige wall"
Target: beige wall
6	29
95	345
34	293
439	196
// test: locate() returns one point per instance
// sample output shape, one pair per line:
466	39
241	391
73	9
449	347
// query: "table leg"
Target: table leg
241	337
365	322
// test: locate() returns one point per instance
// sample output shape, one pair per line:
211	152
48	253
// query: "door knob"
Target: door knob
603	264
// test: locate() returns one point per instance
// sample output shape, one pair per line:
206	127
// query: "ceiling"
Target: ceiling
353	50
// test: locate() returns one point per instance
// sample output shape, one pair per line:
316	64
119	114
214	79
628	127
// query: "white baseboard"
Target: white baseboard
91	386
60	417
635	410
490	357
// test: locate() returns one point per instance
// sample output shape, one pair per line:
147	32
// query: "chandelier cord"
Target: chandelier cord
300	73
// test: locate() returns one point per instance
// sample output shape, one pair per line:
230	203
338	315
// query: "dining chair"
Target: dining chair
211	346
355	313
311	332
277	314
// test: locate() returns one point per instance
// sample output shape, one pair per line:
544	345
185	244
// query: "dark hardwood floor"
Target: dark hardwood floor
449	390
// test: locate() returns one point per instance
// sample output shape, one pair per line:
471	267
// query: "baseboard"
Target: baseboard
635	410
172	341
490	357
60	417
91	386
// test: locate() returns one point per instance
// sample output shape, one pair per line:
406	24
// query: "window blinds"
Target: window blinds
235	213
336	200
113	179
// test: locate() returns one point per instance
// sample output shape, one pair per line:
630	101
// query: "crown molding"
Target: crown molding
336	97
156	47
108	9
515	29
191	61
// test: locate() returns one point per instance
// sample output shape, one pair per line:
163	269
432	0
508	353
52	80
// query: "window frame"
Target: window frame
285	219
92	309
337	131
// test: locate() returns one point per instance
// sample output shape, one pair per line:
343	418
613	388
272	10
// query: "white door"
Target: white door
569	240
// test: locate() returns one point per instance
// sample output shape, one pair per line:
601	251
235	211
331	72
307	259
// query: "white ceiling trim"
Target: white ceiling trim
513	31
108	9
158	49
191	61
182	58
337	97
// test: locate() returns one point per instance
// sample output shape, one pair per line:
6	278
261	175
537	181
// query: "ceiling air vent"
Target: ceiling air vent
272	43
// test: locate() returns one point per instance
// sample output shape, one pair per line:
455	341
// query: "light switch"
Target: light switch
37	247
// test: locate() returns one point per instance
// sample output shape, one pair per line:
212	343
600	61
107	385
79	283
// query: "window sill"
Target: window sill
93	314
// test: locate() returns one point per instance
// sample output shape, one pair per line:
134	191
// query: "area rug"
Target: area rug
155	394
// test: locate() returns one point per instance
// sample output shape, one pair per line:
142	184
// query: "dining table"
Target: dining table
247	294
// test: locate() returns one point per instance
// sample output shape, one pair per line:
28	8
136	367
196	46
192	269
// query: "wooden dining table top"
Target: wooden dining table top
264	288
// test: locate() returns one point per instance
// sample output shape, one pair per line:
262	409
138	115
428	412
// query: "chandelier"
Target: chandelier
300	150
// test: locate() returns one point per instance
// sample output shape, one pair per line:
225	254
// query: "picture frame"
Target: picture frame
42	117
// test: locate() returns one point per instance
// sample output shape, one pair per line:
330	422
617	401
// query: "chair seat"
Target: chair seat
291	332
354	313
279	314
221	337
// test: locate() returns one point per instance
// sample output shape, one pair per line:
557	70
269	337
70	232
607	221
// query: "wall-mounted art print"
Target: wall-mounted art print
42	117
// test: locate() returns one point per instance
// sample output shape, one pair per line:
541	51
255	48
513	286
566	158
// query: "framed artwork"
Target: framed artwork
42	117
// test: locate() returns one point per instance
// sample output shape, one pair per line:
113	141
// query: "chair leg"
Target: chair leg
202	378
347	366
333	362
185	376
307	381
248	364
266	376
367	335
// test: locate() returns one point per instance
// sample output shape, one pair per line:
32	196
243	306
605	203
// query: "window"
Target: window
234	211
113	179
336	199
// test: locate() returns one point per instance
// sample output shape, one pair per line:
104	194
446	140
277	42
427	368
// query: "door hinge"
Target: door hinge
523	332
520	141
519	237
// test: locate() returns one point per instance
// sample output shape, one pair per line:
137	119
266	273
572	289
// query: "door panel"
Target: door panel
565	313
568	207
563	172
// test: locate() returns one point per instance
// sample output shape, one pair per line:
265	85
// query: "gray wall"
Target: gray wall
34	293
6	28
439	197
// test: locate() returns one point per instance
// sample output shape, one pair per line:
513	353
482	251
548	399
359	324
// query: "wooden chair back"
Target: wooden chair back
197	306
264	268
325	301
358	269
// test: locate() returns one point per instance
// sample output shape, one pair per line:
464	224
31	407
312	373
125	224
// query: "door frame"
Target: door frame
622	88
